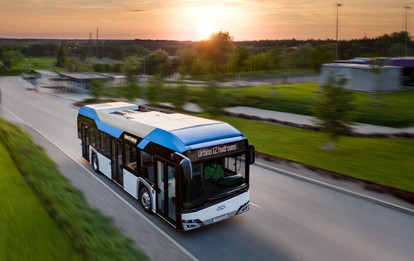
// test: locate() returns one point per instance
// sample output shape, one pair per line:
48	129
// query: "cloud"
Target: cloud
138	10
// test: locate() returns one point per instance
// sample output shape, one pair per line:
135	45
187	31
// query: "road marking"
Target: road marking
191	256
255	205
347	191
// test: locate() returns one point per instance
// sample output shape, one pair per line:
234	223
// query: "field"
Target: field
39	63
26	230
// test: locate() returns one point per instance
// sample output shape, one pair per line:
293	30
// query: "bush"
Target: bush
91	234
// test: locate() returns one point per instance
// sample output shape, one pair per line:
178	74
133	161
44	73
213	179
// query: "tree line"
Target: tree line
216	56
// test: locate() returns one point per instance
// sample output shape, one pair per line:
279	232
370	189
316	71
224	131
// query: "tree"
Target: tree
186	57
11	58
217	50
131	66
179	96
320	54
61	57
211	101
131	90
158	63
154	90
334	110
239	58
96	89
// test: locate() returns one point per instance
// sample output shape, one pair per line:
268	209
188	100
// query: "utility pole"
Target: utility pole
1	105
337	20
406	30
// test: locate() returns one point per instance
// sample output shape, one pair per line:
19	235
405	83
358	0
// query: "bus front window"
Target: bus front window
213	180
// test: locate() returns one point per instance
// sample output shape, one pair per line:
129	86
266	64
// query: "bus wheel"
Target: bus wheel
145	199
95	164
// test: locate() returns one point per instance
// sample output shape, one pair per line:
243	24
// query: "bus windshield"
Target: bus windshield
213	180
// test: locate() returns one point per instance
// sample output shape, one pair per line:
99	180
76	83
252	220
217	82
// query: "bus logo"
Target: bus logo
221	208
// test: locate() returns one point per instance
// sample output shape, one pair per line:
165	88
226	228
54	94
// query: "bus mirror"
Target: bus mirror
186	169
185	165
252	154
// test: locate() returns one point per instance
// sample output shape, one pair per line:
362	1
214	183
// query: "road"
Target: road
289	218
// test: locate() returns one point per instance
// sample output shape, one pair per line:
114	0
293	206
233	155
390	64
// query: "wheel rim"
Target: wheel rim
146	200
95	163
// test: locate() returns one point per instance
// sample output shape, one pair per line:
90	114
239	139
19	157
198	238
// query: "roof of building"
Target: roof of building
85	76
357	66
176	131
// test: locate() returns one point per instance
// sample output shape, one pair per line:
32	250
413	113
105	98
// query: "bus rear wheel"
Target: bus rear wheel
145	199
95	163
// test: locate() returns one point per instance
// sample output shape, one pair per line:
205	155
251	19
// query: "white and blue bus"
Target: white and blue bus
189	170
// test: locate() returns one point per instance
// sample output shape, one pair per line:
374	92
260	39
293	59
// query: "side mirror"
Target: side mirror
185	166
186	169
252	154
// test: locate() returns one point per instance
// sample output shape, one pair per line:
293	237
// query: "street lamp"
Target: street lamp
406	30
337	12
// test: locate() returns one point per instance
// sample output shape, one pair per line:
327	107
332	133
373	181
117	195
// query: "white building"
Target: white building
361	77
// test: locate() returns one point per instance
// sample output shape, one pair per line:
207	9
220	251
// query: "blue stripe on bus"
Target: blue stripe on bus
165	139
88	112
114	132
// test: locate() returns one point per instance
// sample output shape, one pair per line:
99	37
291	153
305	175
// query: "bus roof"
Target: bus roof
176	131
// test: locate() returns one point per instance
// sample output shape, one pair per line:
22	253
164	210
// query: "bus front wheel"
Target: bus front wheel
145	199
95	164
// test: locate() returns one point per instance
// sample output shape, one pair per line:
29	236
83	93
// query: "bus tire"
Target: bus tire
95	163
145	199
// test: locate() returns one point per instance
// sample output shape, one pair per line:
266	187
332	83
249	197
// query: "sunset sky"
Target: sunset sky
196	20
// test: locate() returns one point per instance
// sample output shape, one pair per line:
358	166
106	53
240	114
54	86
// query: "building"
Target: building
361	77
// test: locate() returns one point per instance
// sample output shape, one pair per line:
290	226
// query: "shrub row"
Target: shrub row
90	233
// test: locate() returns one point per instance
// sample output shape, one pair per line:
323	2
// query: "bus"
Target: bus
190	171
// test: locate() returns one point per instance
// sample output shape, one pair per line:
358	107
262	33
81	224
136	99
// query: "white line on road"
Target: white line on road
255	205
191	256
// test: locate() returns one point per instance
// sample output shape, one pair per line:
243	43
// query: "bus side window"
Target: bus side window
98	139
106	144
147	165
131	156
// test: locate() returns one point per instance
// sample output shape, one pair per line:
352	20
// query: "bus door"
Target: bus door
166	198
116	161
85	140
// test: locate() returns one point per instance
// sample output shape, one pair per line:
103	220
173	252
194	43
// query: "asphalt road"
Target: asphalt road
289	219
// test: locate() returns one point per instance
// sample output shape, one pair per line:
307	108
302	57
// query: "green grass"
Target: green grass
379	160
90	233
26	230
39	63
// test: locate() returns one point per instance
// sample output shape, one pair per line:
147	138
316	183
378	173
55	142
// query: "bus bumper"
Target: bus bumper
216	213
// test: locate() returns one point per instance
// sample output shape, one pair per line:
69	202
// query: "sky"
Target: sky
196	20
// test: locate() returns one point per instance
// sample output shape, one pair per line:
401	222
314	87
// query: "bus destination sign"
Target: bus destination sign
222	149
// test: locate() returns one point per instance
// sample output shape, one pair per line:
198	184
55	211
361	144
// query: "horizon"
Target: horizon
185	20
195	41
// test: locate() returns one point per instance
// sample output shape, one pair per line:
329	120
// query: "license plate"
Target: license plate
220	218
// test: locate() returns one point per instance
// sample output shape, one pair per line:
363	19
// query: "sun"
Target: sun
204	30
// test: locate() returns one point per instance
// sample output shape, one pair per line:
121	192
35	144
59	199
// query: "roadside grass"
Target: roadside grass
91	234
384	161
26	230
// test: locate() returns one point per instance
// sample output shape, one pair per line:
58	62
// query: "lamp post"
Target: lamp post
337	19
406	30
